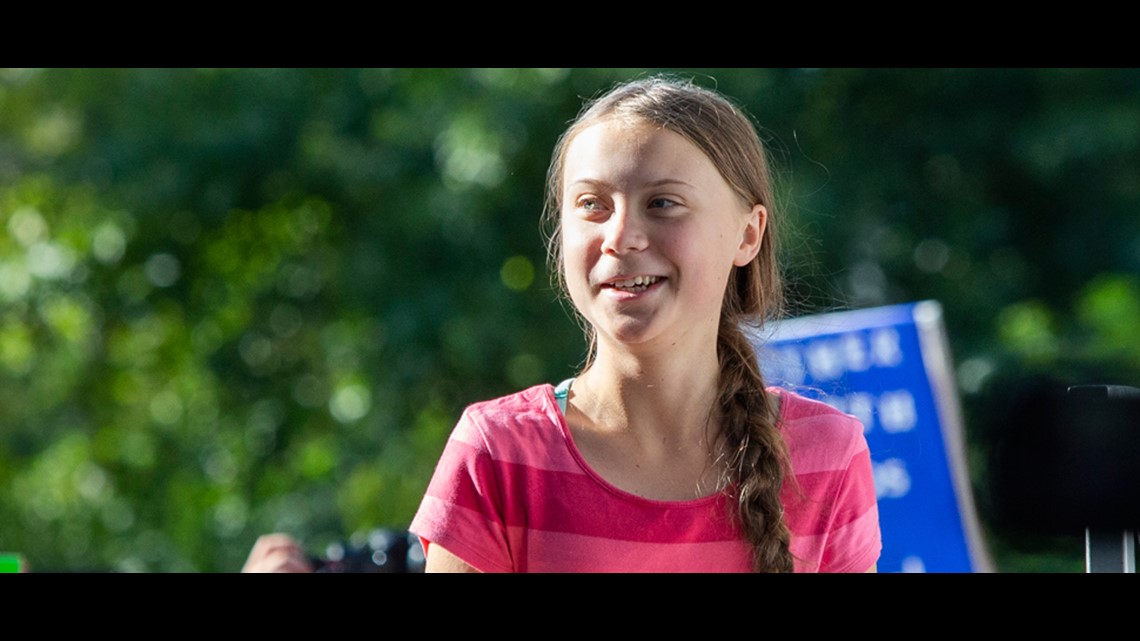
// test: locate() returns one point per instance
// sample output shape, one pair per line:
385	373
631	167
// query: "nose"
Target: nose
624	232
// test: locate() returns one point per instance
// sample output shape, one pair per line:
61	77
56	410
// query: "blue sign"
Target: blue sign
890	367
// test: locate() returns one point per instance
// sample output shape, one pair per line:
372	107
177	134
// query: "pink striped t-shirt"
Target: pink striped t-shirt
511	493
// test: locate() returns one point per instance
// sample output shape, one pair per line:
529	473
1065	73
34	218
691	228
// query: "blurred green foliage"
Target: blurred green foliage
243	301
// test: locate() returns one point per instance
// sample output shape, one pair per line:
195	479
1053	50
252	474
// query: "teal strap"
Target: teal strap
561	392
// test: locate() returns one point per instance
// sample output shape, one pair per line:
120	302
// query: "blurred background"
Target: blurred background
245	301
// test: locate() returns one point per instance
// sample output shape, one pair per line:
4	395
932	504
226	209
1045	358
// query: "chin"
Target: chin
630	334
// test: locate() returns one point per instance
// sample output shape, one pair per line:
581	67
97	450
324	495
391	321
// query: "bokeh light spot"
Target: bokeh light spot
285	320
108	243
931	255
49	260
350	403
166	407
317	459
15	281
162	270
255	349
27	226
230	516
16	349
517	273
525	369
309	391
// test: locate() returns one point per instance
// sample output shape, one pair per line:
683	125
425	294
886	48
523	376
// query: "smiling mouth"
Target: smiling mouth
635	284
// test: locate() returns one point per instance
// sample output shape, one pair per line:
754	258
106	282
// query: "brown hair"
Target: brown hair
757	454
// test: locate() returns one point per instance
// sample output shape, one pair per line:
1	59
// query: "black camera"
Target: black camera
382	551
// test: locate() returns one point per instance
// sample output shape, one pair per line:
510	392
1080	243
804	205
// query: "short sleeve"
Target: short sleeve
462	509
854	541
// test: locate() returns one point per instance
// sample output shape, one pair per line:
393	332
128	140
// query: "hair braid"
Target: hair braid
757	456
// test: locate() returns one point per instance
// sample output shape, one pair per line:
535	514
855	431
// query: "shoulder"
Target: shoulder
818	435
510	415
521	428
532	403
481	480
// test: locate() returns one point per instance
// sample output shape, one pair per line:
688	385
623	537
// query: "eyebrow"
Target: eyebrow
593	182
667	181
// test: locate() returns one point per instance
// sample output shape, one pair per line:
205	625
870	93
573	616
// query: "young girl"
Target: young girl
667	452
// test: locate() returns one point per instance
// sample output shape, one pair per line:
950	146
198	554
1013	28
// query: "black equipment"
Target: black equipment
385	551
1069	462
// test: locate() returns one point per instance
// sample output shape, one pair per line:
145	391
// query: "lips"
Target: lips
632	284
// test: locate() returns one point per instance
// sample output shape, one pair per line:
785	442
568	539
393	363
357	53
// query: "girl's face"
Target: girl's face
650	234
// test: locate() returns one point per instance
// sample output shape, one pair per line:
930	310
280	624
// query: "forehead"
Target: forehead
632	154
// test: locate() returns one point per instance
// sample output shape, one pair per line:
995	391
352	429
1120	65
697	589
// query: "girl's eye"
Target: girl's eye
589	204
661	203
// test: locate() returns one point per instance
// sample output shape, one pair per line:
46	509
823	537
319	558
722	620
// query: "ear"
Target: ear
752	236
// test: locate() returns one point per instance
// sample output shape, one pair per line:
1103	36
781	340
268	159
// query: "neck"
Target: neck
661	394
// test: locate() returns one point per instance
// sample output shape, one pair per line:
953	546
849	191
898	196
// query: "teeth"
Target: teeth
637	281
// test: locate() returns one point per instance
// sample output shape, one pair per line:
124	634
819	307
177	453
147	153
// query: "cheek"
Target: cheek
708	262
580	240
576	265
